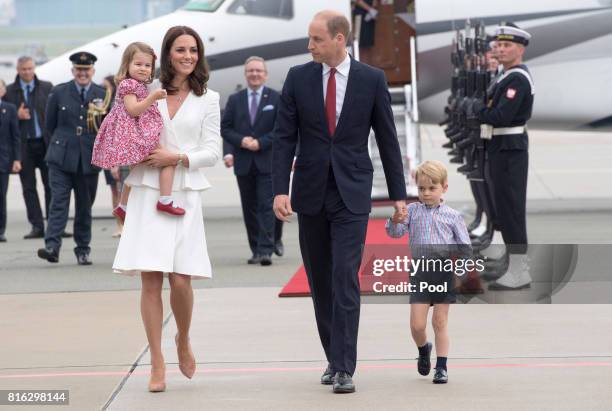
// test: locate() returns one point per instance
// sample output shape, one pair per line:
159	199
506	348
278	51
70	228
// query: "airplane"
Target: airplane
232	31
570	55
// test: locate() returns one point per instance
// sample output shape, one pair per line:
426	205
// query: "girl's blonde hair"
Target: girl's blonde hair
433	169
127	57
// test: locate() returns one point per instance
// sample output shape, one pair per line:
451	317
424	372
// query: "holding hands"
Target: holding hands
400	213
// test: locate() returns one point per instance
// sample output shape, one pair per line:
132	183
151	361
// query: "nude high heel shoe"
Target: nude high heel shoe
157	382
186	365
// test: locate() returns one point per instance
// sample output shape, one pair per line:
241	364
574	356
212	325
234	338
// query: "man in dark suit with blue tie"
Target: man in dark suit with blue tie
29	94
247	124
10	152
332	182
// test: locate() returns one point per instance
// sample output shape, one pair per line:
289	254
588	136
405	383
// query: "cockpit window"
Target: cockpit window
203	5
282	9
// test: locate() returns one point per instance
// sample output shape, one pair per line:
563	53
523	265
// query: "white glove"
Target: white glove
372	14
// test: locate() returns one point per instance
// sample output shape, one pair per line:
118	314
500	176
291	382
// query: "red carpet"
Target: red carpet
376	236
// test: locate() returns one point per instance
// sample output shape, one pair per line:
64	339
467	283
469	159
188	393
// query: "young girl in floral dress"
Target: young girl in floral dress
131	130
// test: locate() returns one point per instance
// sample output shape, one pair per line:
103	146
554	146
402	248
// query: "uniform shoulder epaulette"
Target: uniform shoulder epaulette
60	86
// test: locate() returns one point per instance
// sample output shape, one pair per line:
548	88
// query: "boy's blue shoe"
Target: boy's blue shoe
441	376
424	362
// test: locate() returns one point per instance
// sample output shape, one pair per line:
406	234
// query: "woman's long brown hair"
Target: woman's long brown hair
198	79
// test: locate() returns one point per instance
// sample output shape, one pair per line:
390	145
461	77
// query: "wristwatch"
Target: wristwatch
179	162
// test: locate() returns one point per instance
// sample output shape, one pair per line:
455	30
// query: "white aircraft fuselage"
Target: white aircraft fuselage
570	55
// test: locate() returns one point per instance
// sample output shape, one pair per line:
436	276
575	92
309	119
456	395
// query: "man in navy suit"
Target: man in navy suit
10	152
331	103
279	248
247	125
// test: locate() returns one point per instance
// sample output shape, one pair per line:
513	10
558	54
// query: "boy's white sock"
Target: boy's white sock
165	200
122	206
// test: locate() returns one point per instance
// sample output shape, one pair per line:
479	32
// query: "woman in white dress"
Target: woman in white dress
154	243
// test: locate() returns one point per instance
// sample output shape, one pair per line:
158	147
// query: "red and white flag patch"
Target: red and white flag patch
510	93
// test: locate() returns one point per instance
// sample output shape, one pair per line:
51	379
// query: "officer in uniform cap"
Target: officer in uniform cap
504	121
72	118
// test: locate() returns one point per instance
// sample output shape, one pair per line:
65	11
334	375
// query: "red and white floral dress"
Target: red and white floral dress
125	140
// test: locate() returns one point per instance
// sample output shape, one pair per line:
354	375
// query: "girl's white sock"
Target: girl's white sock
165	200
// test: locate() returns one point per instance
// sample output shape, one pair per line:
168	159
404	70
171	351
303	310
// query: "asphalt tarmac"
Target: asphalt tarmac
78	328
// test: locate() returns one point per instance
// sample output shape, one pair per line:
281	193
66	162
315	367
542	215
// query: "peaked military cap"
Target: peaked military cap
82	59
508	31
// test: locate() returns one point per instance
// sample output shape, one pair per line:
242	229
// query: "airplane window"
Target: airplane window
203	5
282	9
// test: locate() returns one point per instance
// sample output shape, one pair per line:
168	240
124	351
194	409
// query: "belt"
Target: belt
502	131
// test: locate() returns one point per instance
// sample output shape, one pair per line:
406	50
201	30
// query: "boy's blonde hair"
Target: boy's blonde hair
127	57
433	169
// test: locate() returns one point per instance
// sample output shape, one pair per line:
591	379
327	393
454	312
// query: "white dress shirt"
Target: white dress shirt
342	73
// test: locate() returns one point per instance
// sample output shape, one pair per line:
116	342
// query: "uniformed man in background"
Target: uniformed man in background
72	118
504	119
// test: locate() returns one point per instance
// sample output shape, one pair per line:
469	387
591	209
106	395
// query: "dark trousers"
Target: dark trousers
331	243
33	156
489	186
509	174
278	230
256	197
85	187
4	179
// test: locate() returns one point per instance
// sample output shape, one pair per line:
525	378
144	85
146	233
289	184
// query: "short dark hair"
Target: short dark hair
198	79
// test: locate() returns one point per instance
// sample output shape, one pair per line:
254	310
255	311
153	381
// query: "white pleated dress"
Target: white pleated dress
156	241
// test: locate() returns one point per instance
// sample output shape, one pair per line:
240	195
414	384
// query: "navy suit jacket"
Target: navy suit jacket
236	124
10	144
367	104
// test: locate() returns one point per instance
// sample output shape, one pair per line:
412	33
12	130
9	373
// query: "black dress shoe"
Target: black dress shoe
328	376
343	383
279	249
66	234
83	259
2	238
49	254
265	260
441	376
256	259
35	233
424	361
